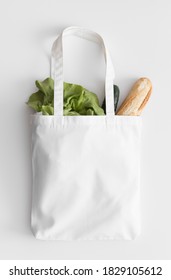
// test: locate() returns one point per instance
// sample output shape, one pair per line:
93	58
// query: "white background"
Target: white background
138	35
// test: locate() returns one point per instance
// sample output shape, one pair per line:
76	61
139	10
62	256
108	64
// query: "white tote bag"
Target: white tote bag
85	168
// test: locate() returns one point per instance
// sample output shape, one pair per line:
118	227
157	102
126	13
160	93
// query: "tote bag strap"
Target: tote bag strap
57	68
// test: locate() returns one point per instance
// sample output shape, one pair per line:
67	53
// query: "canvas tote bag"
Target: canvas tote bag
85	168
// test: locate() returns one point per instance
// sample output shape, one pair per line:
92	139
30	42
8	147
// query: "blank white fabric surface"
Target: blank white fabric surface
85	177
85	168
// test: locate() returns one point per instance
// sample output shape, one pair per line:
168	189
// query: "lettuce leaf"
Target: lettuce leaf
43	97
77	99
36	101
47	110
81	101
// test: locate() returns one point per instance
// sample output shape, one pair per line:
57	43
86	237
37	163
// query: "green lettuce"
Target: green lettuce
77	99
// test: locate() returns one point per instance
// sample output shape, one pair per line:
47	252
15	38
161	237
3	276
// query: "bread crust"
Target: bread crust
137	98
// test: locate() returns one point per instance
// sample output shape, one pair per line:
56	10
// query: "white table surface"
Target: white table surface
138	35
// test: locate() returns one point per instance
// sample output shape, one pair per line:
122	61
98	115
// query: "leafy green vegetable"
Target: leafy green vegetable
36	101
42	100
47	86
116	98
47	110
77	99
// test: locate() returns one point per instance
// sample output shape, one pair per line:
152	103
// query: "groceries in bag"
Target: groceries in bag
80	101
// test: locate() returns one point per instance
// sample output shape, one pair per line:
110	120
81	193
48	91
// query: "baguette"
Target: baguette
137	98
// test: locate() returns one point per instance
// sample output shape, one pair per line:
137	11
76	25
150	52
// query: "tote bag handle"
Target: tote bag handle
57	68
